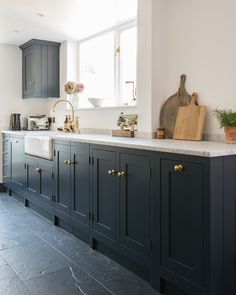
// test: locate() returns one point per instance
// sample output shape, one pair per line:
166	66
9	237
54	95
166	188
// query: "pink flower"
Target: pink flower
79	88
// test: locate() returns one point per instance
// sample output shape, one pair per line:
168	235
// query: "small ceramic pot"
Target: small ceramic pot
230	134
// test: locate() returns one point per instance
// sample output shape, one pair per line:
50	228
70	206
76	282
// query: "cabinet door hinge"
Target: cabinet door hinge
25	166
54	153
92	160
52	175
150	171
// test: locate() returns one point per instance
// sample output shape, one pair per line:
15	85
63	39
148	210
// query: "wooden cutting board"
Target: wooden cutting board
169	109
190	121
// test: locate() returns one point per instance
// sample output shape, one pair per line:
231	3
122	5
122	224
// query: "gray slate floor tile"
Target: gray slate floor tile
34	260
69	281
13	286
38	258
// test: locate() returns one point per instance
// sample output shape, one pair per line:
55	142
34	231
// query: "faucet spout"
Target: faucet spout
72	108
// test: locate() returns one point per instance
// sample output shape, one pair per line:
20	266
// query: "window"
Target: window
107	61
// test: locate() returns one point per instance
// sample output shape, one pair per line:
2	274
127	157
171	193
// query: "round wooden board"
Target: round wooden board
169	109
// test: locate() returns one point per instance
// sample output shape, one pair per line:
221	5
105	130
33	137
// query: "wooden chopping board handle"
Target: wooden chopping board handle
182	83
194	99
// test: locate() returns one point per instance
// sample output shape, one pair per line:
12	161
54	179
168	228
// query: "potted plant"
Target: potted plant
227	120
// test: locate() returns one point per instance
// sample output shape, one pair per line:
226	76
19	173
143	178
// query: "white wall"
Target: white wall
201	42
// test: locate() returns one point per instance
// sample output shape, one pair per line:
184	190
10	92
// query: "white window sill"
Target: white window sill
107	107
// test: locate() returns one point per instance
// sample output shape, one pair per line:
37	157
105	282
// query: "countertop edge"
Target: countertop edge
218	152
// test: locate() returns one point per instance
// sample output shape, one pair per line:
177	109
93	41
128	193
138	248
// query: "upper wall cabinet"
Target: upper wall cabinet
40	69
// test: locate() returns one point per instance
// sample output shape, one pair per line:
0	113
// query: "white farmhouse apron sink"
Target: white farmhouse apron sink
39	146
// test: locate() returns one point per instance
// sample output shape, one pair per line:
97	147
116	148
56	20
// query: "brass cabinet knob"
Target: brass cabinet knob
72	163
37	170
111	172
121	174
66	162
179	168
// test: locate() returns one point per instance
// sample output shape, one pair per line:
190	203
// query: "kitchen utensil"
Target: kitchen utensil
169	109
190	121
15	122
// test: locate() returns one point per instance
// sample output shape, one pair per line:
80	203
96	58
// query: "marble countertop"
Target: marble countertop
202	148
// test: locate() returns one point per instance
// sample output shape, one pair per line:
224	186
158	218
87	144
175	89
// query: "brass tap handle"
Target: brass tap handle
121	174
111	172
179	168
37	170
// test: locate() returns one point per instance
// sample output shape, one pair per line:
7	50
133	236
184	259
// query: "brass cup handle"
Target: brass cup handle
179	168
111	172
121	174
37	170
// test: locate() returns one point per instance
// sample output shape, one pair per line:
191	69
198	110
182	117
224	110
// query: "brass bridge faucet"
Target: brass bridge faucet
73	124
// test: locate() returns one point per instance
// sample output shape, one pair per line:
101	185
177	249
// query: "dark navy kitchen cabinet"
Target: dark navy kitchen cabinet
170	218
104	194
5	158
183	224
80	182
16	162
135	200
39	182
62	181
121	205
71	186
40	69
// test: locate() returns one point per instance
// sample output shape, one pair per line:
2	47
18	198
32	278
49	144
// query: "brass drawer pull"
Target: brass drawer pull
179	168
121	174
37	170
111	172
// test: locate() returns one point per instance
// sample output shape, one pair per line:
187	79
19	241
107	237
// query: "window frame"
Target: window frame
118	29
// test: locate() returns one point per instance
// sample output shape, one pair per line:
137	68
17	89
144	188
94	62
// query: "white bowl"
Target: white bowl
96	102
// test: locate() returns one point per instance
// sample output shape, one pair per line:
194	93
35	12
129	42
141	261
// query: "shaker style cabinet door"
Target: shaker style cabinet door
80	186
27	72
182	220
39	182
104	193
135	198
62	178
